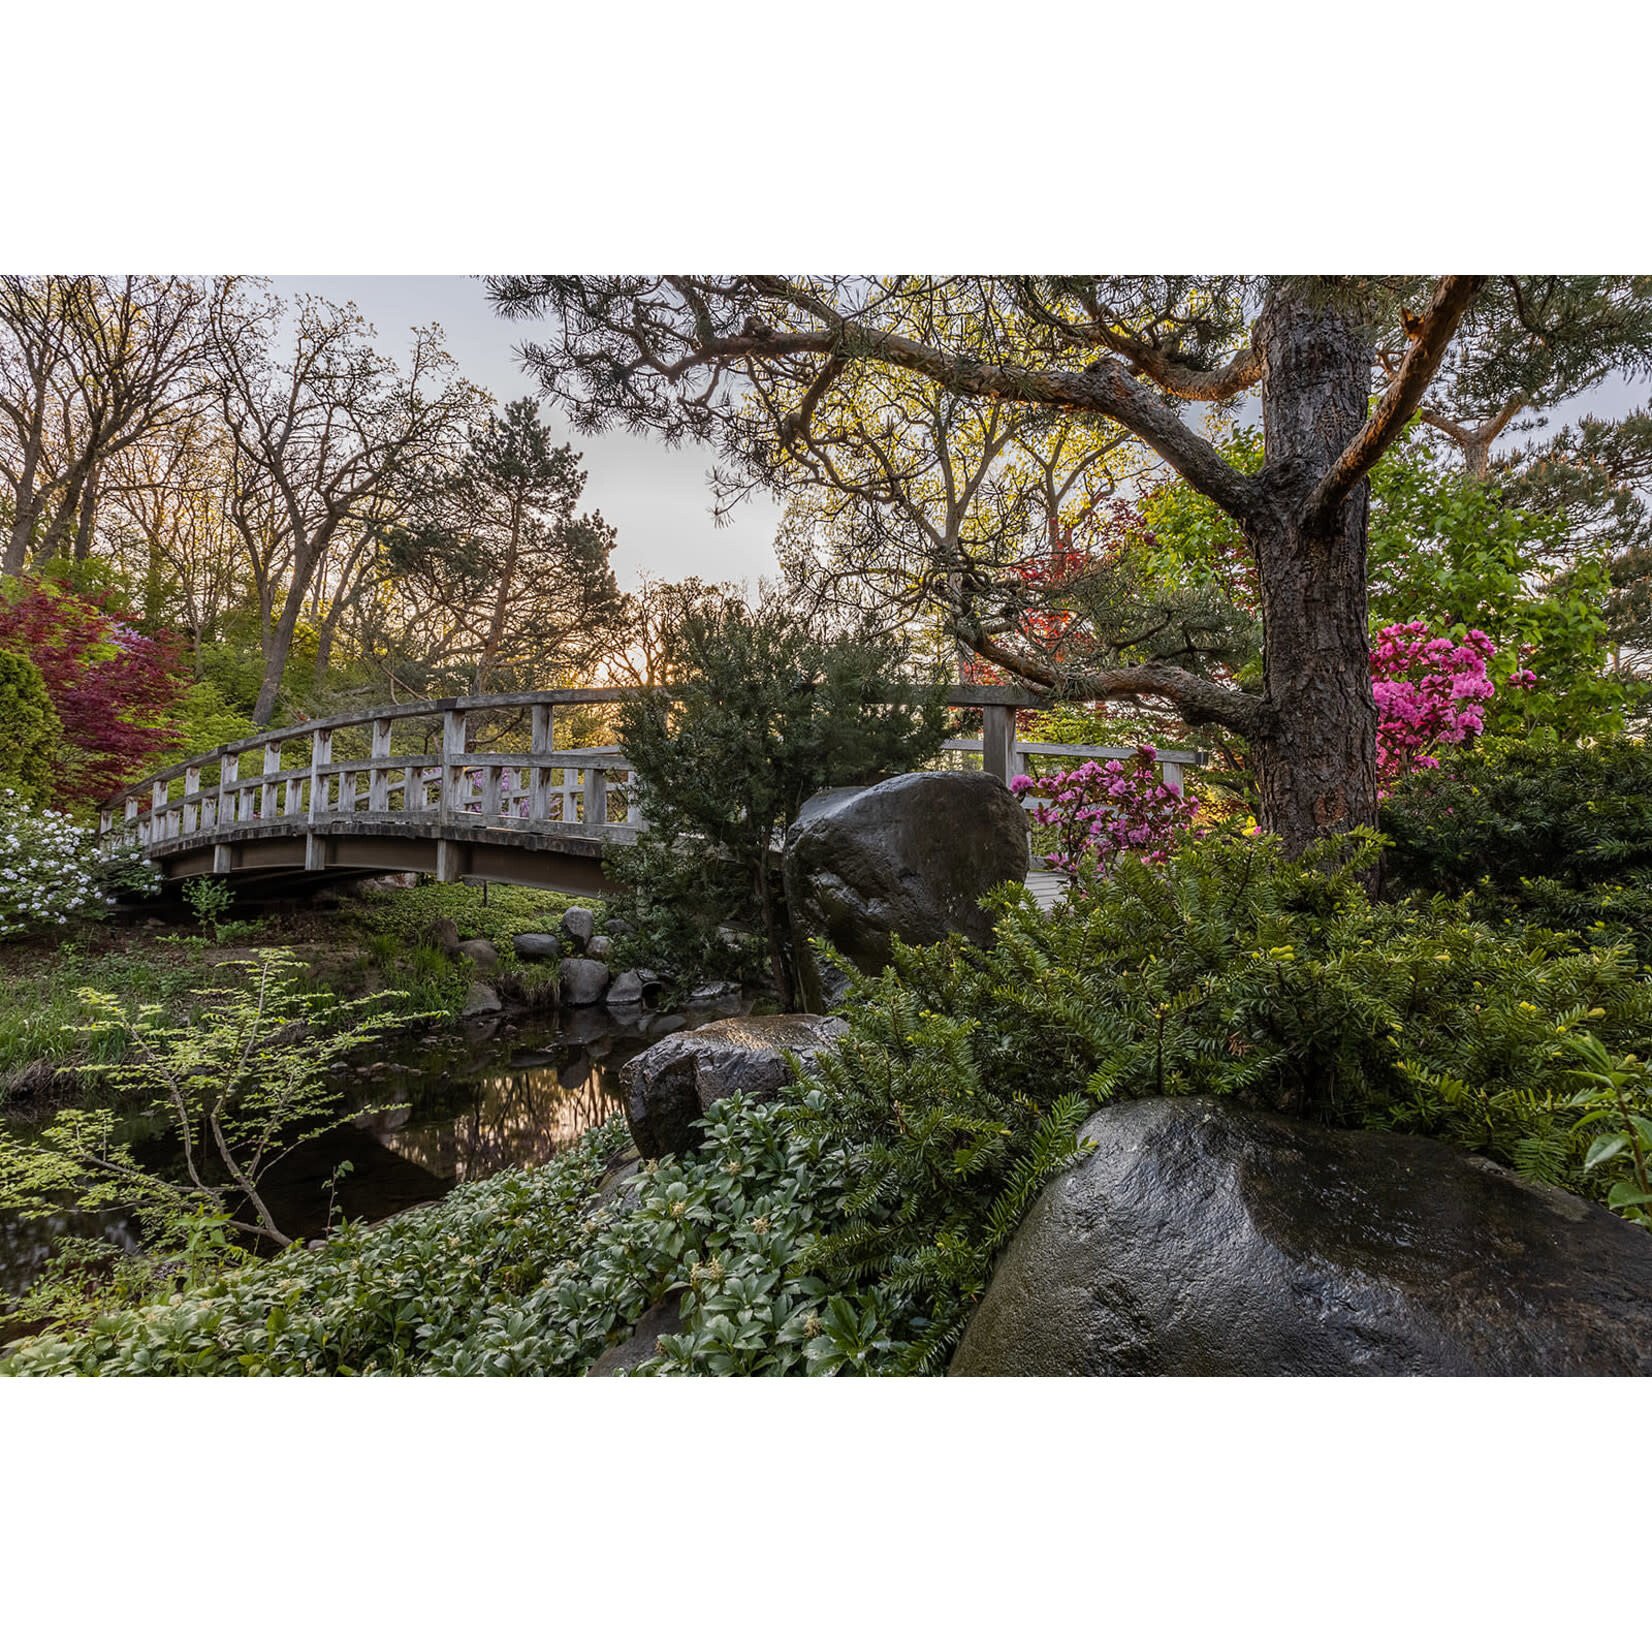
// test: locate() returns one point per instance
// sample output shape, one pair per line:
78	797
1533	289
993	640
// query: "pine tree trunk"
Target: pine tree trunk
1316	761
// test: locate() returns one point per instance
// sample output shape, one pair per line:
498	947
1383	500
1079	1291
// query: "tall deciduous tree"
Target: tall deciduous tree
320	423
89	365
760	362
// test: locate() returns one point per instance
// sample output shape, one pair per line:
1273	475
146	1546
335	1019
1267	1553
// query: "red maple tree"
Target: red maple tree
113	686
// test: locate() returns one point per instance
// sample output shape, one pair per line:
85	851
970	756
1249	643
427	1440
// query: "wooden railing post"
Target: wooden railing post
998	742
321	754
378	778
229	771
539	770
596	796
159	823
449	803
192	797
266	797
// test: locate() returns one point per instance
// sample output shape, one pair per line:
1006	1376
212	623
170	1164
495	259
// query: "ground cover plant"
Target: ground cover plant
236	1086
853	1226
378	939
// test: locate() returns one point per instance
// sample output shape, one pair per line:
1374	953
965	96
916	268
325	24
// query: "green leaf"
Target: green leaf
1603	1149
1625	1195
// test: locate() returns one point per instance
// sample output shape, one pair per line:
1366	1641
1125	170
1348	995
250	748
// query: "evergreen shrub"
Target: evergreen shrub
30	732
1543	830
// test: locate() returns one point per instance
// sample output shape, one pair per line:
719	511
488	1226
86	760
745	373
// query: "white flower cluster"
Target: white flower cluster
46	867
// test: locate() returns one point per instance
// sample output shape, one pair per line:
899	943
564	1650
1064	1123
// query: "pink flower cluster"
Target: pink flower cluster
1430	691
1101	811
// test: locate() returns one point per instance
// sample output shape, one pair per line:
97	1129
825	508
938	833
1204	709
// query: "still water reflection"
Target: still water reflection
441	1108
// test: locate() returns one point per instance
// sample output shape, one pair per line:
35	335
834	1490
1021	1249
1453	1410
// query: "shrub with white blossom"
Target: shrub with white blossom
47	872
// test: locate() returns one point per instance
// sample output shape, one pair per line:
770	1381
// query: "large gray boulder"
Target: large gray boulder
583	981
625	988
1200	1239
669	1086
911	857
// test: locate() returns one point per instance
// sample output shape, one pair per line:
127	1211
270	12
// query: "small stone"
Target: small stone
533	946
481	1000
663	1319
444	933
618	927
579	925
480	952
584	980
626	988
600	947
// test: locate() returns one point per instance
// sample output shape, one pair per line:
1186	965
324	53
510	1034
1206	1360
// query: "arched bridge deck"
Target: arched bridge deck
350	796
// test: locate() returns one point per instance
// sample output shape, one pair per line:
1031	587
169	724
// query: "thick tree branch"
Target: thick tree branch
1452	297
1176	378
1197	700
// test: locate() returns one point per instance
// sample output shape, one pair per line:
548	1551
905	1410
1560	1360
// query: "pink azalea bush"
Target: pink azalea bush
1102	811
1430	692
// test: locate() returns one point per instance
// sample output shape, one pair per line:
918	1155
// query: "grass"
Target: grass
379	938
495	913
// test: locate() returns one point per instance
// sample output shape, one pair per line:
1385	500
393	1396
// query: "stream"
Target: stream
428	1110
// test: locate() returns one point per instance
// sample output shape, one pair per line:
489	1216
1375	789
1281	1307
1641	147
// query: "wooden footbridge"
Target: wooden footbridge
405	789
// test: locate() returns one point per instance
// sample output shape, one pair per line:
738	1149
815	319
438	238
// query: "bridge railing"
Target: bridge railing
582	789
1023	755
256	784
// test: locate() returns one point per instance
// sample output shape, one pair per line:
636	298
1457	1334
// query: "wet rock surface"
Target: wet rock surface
911	857
668	1088
1202	1240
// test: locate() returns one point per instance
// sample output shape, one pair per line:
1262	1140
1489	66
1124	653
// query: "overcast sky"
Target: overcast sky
657	497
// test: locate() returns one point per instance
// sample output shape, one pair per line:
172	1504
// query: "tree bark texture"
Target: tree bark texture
1315	750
